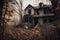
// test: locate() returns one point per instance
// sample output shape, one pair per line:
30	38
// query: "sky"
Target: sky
34	2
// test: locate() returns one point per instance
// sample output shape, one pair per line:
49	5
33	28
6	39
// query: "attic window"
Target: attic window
29	11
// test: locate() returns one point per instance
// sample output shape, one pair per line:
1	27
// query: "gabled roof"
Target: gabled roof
29	6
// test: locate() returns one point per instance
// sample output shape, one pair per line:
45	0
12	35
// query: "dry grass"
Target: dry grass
46	32
22	34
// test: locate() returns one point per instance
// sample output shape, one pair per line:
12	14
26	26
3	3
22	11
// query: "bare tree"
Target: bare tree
12	12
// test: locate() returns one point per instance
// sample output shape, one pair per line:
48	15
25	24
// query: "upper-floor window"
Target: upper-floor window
29	11
45	11
37	13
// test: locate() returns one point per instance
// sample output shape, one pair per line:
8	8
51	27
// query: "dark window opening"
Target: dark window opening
28	18
44	11
35	21
47	10
29	11
37	13
45	20
25	19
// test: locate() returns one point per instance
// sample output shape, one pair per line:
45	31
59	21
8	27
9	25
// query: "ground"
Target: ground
45	32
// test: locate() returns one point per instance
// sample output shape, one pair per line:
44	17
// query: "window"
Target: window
37	13
25	18
29	11
45	11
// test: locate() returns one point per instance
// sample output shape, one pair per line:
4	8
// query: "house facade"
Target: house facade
39	14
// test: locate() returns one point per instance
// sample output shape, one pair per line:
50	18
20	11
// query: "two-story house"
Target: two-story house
39	14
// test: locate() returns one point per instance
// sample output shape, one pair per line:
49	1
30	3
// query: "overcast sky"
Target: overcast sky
34	2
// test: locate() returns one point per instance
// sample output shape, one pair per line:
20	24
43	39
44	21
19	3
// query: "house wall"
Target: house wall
32	12
35	12
40	20
41	12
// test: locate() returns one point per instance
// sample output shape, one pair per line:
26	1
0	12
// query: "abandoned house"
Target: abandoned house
40	14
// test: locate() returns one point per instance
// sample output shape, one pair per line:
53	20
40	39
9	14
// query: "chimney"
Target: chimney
41	4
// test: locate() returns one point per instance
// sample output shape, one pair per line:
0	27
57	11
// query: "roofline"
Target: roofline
35	8
29	5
